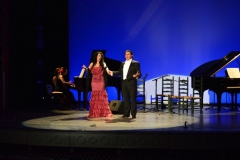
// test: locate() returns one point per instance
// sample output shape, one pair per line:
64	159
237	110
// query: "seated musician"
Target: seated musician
63	86
54	79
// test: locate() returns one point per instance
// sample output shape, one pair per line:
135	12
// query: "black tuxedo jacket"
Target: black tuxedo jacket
133	68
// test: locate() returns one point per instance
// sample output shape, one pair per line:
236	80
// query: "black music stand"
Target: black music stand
143	94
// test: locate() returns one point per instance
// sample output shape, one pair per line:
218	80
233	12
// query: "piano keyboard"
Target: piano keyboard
233	87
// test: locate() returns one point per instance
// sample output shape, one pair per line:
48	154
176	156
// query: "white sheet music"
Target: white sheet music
81	73
233	72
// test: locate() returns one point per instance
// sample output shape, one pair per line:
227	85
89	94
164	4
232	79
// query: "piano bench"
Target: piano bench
59	100
57	93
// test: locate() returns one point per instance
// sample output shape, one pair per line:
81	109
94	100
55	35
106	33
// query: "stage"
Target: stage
151	130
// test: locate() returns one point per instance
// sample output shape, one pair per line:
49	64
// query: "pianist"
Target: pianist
63	86
99	106
54	79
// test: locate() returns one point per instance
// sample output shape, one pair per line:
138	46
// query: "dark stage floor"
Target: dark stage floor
162	134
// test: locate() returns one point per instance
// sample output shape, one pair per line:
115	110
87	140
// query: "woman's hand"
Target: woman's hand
84	67
109	72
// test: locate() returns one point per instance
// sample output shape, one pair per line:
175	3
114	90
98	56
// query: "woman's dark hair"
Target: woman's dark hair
56	72
95	59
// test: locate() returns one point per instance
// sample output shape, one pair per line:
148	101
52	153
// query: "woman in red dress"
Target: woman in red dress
99	105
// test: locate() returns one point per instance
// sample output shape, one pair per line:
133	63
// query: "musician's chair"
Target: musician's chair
183	92
197	91
184	98
167	93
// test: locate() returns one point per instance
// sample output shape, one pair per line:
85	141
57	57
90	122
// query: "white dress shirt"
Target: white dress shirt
125	68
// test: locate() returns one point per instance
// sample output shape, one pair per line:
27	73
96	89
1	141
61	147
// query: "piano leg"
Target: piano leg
233	98
79	97
234	101
201	105
219	101
85	100
201	101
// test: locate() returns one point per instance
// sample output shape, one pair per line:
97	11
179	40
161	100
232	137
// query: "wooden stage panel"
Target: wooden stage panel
156	130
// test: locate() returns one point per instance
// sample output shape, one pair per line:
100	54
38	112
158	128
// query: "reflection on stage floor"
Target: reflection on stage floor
153	133
149	120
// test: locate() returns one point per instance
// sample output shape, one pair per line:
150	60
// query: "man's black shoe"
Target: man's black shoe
133	117
125	116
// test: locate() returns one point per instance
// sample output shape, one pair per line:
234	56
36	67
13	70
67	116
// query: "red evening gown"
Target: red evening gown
99	106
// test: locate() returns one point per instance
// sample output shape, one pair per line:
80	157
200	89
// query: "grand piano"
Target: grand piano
83	85
204	77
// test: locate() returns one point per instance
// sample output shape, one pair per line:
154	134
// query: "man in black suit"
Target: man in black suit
130	71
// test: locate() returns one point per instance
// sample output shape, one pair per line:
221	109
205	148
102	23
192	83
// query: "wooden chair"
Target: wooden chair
183	92
183	95
167	93
197	89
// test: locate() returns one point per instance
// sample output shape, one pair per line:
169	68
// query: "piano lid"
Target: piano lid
112	64
95	51
209	69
